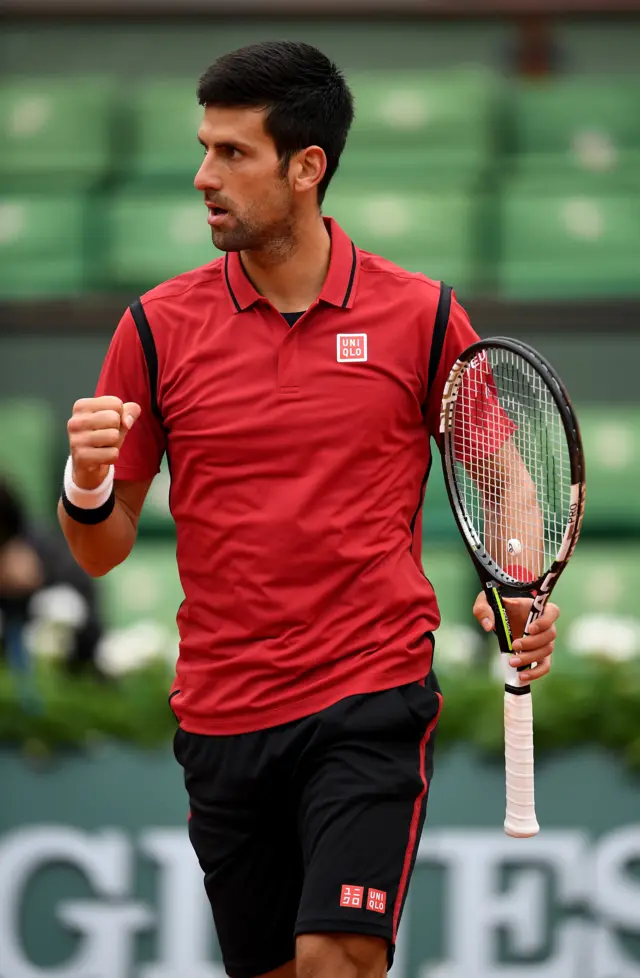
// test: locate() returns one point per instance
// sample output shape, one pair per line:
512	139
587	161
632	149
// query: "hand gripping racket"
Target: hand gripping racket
514	470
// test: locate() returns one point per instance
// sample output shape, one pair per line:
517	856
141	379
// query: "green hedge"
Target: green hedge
598	705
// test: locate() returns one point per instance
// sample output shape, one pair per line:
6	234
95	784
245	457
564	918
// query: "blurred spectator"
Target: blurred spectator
40	582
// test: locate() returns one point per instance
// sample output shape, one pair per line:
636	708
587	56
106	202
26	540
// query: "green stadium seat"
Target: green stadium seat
438	524
434	234
454	580
380	169
458	639
154	238
145	587
55	133
446	116
598	599
578	133
592	117
569	245
27	454
156	519
611	439
166	117
41	245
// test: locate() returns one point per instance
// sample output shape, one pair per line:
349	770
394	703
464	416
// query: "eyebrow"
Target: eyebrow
225	142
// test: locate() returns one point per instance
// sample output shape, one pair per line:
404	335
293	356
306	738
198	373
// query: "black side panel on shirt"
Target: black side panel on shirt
150	353
439	330
437	343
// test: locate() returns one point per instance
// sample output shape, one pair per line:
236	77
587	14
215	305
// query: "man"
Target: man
289	383
35	564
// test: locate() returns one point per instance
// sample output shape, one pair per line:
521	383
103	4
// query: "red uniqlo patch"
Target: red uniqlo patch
352	347
351	896
377	900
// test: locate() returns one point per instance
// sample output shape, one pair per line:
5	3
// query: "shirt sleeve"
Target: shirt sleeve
124	375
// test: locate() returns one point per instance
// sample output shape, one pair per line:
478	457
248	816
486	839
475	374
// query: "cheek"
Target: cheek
268	199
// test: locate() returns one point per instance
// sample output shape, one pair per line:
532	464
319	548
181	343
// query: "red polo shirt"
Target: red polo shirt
298	459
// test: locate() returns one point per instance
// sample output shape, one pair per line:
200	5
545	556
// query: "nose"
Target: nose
206	178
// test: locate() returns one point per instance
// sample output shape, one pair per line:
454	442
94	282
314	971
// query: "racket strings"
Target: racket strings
511	461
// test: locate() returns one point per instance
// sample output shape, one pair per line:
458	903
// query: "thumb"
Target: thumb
130	414
483	612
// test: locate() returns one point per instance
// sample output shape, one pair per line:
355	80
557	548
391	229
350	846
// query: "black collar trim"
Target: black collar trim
345	301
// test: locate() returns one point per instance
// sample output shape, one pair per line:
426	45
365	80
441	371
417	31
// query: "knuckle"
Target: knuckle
111	403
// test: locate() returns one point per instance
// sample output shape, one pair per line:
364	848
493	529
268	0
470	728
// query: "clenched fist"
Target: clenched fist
97	429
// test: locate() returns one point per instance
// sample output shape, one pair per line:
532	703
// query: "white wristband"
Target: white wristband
87	498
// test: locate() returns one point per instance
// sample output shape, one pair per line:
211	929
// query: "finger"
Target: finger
541	669
483	613
526	658
86	455
92	421
532	642
98	438
547	618
90	405
130	414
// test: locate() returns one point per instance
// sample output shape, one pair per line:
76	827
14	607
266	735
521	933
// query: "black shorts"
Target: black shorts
312	826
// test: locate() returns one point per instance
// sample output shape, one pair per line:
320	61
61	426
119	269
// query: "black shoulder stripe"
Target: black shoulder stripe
439	330
150	353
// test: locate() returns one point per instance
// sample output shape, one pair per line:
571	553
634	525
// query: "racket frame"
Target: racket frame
489	571
520	819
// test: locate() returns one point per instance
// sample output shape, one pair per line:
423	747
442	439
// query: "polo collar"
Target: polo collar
339	286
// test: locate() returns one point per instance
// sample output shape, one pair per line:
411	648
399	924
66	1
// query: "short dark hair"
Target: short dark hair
307	100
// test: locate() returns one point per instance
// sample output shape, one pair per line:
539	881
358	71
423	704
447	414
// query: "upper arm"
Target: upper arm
131	494
124	374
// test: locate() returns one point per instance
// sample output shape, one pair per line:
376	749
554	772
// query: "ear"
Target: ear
308	168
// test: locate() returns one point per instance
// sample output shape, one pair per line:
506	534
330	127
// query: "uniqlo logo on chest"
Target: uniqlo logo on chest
352	347
351	896
376	900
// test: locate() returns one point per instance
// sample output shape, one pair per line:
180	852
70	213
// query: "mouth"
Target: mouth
217	215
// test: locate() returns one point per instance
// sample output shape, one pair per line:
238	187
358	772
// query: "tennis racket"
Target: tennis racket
514	470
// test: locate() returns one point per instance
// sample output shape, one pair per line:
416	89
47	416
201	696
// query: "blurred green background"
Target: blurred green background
499	155
496	146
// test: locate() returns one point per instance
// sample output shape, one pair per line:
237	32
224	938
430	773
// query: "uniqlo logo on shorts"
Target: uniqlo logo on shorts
376	900
352	347
351	896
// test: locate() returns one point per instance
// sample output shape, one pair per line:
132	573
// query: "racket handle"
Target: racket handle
520	819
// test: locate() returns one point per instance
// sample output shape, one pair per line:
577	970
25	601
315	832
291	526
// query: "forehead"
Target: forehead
226	124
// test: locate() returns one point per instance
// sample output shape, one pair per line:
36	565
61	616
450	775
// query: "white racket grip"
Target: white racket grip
520	819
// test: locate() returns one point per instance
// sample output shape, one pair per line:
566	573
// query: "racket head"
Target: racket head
503	397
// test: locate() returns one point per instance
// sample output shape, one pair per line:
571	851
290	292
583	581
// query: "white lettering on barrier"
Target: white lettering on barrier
595	897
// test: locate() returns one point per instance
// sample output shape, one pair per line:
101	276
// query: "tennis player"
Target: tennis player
294	383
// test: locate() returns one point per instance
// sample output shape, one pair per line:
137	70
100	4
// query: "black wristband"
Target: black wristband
89	516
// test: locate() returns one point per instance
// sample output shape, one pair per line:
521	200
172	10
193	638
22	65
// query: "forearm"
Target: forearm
101	547
512	512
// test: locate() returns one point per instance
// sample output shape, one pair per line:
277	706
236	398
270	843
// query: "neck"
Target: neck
291	274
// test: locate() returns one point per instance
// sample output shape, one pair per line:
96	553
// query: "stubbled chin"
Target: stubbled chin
223	240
